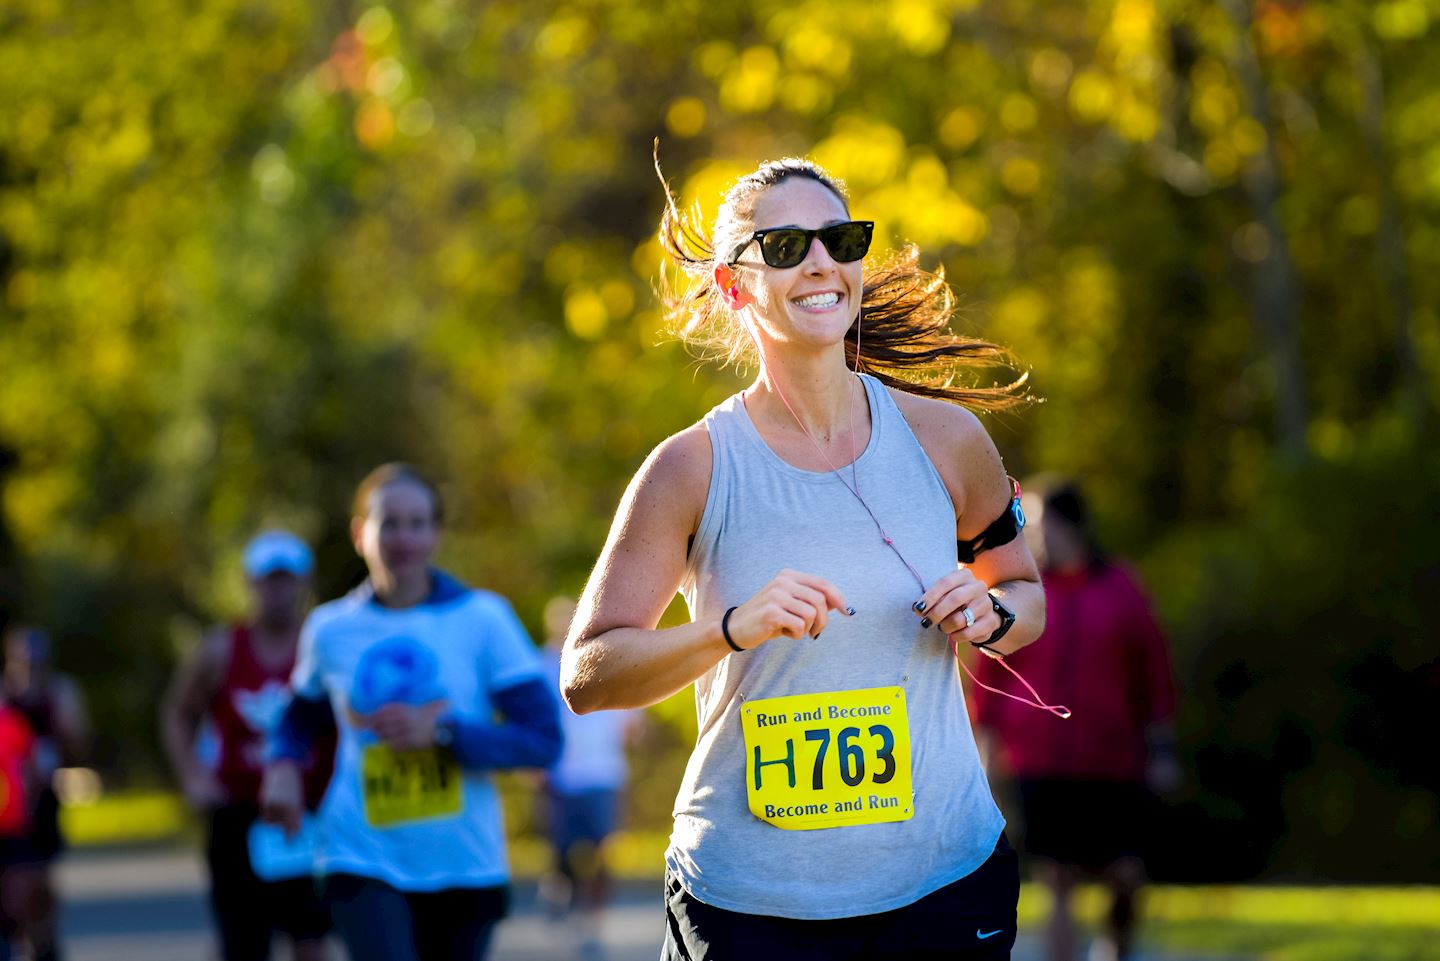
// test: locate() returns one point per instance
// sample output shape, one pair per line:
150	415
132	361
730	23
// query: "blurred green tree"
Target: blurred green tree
248	249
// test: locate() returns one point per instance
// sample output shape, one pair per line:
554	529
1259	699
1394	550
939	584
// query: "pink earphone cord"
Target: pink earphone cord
853	486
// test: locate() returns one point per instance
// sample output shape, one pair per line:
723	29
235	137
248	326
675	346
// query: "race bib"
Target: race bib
400	787
828	760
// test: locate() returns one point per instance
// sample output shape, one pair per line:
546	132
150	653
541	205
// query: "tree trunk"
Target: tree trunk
1392	264
1276	288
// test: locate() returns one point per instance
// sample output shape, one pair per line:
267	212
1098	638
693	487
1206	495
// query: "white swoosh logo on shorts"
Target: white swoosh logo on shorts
982	935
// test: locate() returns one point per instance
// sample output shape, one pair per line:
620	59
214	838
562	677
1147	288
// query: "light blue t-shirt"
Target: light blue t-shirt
460	646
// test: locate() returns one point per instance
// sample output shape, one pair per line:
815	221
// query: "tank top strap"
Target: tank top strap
881	403
724	424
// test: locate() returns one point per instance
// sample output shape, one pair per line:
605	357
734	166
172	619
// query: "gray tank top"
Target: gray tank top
763	515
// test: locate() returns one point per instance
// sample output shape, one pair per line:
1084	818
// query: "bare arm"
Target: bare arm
72	721
968	462
614	656
185	705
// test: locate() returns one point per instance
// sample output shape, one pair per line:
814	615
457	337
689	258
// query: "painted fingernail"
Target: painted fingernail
925	623
919	606
815	636
851	611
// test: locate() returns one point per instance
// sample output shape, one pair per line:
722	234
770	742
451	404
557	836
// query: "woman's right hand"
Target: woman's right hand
282	798
792	605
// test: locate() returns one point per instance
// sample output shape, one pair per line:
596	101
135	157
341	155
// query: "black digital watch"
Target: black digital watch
1007	621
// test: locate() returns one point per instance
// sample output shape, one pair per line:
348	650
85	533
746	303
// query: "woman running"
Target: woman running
834	806
412	667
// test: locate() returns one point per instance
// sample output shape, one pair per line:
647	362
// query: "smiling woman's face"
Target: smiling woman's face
814	303
399	533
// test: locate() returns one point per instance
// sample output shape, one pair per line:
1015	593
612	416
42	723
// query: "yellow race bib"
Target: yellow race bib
828	760
405	786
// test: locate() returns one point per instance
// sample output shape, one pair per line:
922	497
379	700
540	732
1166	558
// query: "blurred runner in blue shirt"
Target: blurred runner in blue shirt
413	668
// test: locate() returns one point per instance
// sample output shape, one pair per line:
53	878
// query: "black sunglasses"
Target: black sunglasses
787	246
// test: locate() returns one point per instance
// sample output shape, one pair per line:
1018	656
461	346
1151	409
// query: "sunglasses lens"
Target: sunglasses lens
784	248
846	242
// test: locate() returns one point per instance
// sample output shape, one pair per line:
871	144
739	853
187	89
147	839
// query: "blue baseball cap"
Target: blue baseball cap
274	551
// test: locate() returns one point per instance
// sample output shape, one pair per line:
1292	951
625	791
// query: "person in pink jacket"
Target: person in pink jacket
1086	786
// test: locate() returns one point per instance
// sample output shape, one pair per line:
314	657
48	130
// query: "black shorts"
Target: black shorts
42	842
1085	823
972	919
249	911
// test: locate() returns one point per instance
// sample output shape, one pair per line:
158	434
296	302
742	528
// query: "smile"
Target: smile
818	301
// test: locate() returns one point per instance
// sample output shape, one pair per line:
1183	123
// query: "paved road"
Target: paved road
149	905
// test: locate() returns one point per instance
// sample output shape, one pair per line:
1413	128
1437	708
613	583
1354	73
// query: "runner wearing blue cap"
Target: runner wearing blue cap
412	667
238	682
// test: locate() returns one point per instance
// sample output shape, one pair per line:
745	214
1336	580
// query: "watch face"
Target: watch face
1006	615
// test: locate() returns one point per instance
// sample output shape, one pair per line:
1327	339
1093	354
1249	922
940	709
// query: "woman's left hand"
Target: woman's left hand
406	727
948	598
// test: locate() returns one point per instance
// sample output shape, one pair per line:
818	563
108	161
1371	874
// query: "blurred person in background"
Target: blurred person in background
236	685
583	795
1087	787
17	791
52	705
413	668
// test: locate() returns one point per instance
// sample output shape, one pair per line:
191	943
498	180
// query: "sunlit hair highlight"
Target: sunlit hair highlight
393	473
906	311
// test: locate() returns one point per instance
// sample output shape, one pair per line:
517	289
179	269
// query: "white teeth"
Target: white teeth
819	300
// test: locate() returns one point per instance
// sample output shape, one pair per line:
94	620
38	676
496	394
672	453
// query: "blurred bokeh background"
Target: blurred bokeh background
251	248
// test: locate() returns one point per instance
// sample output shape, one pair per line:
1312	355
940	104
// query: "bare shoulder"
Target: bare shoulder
213	654
643	560
960	447
684	457
676	475
939	421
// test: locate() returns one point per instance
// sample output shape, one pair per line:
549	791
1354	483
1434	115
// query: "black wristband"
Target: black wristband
725	630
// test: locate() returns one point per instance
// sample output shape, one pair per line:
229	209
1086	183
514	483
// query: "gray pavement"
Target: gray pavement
149	905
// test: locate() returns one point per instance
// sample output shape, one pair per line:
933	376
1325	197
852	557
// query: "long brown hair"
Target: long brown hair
906	311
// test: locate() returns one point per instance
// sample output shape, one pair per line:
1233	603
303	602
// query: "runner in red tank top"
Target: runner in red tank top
238	681
54	708
17	783
245	707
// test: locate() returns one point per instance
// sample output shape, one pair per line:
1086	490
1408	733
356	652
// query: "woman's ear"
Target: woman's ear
730	291
357	534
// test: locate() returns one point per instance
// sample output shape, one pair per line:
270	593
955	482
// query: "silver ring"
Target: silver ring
969	618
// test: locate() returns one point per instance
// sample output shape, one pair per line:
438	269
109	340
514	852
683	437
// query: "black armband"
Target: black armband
1004	530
